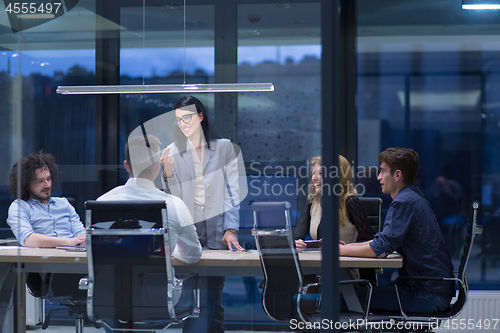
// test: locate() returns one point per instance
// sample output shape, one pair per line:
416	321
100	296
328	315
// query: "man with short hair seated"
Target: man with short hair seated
142	161
410	229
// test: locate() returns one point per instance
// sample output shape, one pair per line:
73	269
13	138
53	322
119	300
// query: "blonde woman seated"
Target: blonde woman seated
352	218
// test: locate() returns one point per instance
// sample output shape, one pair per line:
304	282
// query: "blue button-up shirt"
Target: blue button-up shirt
411	229
58	219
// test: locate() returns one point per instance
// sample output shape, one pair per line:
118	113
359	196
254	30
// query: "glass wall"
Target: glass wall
279	132
120	42
34	62
427	79
167	51
37	55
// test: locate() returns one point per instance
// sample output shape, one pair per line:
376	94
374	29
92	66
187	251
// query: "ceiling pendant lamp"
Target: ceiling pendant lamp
163	88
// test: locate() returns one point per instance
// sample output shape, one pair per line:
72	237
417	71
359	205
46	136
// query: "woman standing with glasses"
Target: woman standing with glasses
202	169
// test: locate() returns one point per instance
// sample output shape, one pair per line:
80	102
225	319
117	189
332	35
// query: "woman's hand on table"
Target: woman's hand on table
231	241
300	245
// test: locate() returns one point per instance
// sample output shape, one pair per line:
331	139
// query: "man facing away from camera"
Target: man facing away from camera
410	229
142	161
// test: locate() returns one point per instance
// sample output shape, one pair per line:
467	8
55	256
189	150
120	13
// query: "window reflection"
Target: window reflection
46	57
424	82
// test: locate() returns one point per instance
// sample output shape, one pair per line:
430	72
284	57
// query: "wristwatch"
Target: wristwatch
234	231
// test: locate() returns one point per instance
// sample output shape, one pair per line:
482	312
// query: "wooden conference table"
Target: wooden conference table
14	259
212	262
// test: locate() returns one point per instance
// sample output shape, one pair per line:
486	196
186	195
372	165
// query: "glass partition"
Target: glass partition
278	132
166	52
120	42
41	58
38	54
426	80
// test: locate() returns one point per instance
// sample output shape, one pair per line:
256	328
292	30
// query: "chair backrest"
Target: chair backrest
58	288
373	209
72	201
279	259
472	230
128	285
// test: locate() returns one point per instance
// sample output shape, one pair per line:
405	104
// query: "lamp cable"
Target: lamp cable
184	82
143	41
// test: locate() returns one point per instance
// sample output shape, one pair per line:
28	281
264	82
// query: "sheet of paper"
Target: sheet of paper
107	225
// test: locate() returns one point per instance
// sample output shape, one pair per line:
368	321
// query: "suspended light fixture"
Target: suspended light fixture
480	4
163	88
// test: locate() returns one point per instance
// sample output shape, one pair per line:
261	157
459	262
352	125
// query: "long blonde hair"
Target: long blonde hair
345	180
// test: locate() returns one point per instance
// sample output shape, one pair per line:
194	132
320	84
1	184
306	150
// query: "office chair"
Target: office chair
461	279
287	294
61	289
373	209
130	284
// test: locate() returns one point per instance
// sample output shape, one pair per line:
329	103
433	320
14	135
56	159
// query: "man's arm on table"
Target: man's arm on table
39	240
19	222
357	250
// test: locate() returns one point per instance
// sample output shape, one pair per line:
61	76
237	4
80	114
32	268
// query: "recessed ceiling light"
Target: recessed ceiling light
251	33
298	21
480	4
169	7
195	23
284	4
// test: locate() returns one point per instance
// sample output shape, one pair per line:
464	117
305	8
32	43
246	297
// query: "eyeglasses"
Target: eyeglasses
186	119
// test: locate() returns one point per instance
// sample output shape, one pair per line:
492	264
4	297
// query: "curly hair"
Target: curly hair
28	166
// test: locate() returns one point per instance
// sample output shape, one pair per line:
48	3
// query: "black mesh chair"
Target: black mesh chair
460	279
61	289
373	209
287	294
131	282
